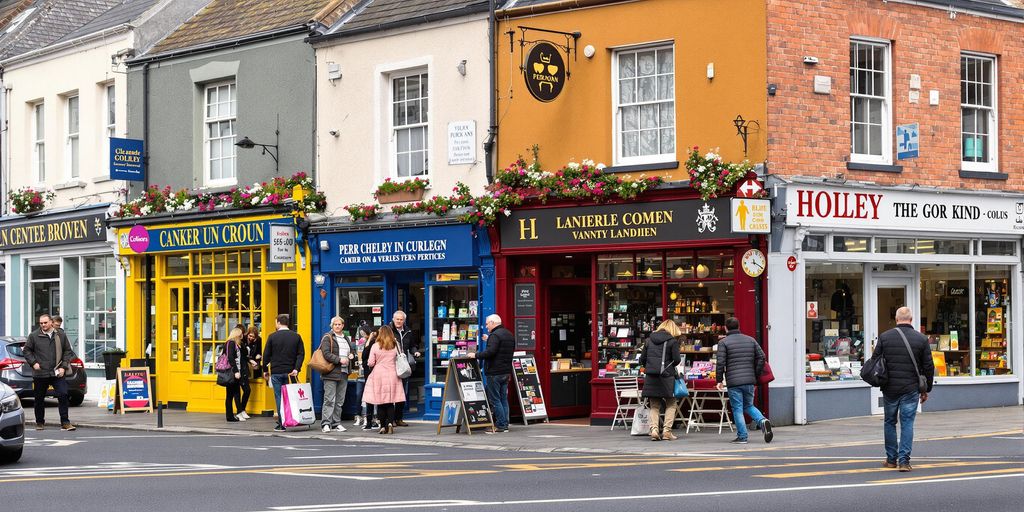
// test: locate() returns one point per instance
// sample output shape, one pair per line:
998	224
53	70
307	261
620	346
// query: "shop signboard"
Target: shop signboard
464	402
526	333
126	159
527	387
133	390
48	231
544	71
526	299
282	243
140	239
878	209
751	215
626	224
399	249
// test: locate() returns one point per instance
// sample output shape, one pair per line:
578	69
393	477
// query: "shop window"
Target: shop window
961	247
614	267
454	325
715	264
679	265
998	248
978	103
992	315
894	245
628	314
849	244
218	306
870	122
100	313
945	317
176	265
834	321
700	309
649	266
360	305
813	243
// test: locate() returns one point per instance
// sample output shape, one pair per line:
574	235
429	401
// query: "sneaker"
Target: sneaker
239	417
358	421
279	428
243	415
69	427
502	429
40	426
325	429
905	467
738	441
766	427
340	428
891	464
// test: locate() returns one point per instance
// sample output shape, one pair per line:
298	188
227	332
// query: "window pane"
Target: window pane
627	65
403	140
836	328
648	266
665	61
875	143
998	248
813	243
416	142
630	144
646	90
992	302
894	245
849	244
668	140
73	115
649	142
945	319
627	91
666	87
398	89
667	114
645	63
648	116
631	118
611	267
403	164
412	87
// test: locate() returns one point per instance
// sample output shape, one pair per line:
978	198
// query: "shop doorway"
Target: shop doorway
45	290
568	348
410	298
887	295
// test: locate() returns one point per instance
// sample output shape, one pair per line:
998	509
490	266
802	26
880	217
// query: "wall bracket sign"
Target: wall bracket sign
543	68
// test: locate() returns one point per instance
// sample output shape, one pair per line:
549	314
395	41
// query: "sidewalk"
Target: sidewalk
574	437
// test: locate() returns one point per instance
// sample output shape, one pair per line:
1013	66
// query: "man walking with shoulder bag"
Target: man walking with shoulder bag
908	360
740	363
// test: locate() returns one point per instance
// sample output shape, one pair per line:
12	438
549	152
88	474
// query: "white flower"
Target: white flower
507	212
601	166
574	165
255	200
588	163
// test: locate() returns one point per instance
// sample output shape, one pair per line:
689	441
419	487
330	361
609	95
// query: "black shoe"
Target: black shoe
738	441
766	426
232	420
279	428
367	427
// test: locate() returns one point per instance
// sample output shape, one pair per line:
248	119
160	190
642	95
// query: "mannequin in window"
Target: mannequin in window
842	305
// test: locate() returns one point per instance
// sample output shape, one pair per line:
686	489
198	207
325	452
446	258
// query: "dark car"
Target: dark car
18	375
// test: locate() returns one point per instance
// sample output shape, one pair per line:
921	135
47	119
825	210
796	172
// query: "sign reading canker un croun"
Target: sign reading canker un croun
141	239
52	231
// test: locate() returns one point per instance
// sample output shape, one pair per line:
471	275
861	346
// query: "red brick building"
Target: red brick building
895	161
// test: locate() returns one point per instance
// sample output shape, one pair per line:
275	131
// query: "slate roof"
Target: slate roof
9	9
124	12
223	20
381	14
52	20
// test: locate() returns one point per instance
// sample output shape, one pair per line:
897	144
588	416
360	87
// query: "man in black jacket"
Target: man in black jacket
901	392
741	361
498	368
282	359
407	344
48	352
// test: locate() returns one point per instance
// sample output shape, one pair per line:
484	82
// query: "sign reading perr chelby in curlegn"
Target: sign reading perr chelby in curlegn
830	207
399	249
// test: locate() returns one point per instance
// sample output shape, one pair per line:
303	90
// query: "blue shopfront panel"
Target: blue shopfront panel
399	249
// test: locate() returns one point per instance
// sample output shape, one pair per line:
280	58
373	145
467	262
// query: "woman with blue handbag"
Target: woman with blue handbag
660	359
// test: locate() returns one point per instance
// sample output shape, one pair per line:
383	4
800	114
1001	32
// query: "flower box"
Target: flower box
400	196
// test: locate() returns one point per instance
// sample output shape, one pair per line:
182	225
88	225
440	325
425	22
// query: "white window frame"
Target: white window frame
72	137
993	119
232	117
422	72
887	131
88	314
110	123
619	159
39	140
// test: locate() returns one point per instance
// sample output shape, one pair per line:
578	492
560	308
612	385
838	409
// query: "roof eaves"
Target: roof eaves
54	48
218	45
1001	11
476	8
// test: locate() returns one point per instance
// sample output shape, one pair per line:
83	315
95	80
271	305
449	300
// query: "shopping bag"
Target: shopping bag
641	420
766	375
297	405
679	389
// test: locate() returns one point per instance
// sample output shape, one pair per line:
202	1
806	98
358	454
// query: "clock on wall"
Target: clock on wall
753	262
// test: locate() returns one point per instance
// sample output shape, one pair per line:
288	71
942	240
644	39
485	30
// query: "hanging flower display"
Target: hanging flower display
29	200
711	176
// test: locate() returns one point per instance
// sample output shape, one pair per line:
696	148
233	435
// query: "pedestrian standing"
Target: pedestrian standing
497	358
660	359
235	350
362	338
383	387
254	347
48	352
740	363
902	391
370	409
282	359
407	346
338	350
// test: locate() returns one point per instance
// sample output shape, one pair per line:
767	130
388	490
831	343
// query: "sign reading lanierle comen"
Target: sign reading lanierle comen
461	142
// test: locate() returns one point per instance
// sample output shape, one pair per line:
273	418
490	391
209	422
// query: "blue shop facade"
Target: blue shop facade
438	271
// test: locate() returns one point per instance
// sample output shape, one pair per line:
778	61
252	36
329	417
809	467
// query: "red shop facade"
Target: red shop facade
581	285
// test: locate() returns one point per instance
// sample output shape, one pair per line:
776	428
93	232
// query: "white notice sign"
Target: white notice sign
282	243
461	142
751	215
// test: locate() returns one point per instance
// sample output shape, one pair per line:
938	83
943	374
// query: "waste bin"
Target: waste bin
111	361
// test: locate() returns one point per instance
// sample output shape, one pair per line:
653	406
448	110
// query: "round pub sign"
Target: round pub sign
545	72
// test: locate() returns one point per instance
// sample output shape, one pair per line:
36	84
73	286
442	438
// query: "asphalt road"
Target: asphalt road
127	470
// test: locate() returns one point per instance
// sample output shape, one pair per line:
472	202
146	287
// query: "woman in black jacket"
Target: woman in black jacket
660	359
238	360
254	346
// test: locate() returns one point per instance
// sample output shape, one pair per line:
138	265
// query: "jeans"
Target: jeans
741	399
334	401
497	393
60	388
276	381
903	408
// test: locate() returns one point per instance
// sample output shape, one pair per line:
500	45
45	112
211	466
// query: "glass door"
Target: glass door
887	295
179	335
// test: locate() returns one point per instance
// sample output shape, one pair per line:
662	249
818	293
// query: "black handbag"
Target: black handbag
225	377
874	371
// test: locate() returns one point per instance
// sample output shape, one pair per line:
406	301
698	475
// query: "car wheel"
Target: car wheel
75	399
10	457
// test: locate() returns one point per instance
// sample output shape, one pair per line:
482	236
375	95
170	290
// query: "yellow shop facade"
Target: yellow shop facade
205	274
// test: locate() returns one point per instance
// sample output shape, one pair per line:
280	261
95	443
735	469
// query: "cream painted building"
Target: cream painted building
400	103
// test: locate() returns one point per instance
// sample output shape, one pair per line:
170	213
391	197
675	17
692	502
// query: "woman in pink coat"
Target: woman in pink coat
383	387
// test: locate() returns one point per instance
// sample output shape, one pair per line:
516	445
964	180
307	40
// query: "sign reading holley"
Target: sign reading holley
902	210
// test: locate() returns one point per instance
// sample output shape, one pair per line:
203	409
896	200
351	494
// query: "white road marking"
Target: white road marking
1018	438
343	507
114	468
356	456
50	443
343	477
156	436
547	436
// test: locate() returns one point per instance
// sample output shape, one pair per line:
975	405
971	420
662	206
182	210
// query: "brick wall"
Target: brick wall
809	133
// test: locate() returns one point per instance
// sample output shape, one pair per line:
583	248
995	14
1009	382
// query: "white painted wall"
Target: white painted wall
85	69
357	106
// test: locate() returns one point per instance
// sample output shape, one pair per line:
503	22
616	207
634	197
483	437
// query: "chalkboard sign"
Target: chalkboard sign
526	300
527	384
464	402
526	333
133	391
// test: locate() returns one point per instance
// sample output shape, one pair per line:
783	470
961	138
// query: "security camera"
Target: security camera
334	133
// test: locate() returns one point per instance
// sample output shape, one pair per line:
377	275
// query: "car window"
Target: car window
16	349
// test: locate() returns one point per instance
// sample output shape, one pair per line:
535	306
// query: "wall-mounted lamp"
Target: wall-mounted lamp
319	279
589	51
462	67
742	127
247	143
324	245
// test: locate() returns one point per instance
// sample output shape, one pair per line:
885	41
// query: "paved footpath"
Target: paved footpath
573	437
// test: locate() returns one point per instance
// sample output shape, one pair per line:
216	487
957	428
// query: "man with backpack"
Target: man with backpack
908	364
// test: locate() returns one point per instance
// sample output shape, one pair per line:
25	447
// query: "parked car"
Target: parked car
18	375
12	425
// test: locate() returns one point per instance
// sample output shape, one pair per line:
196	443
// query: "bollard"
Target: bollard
159	415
